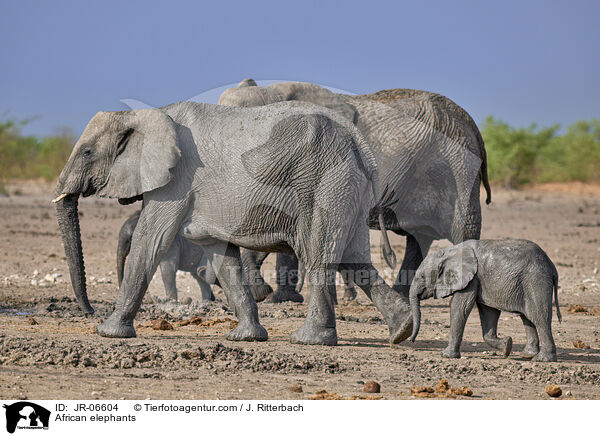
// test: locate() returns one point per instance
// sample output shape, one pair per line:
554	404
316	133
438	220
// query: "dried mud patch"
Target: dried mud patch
122	354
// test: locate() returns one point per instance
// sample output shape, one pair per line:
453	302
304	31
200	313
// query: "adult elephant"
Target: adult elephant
431	158
285	177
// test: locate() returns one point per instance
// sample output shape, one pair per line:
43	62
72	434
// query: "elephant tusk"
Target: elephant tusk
60	197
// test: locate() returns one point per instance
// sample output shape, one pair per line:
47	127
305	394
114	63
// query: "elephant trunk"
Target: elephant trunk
68	222
415	307
121	257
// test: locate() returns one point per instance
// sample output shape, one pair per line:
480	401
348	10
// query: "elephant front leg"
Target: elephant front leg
252	261
489	317
148	246
460	308
205	289
319	327
228	267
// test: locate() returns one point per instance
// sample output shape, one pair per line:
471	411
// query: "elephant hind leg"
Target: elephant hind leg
489	317
252	261
532	348
319	327
168	271
287	279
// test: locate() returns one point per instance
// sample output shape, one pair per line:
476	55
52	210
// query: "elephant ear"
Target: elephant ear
146	154
457	269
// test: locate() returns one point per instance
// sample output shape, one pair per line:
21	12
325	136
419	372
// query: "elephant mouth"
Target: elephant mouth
130	200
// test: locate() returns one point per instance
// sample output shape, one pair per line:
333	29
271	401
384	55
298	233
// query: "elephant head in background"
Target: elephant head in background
430	154
248	94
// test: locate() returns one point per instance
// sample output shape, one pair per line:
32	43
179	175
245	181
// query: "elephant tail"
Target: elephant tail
484	172
555	286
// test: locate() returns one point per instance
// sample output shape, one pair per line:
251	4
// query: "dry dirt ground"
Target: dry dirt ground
49	351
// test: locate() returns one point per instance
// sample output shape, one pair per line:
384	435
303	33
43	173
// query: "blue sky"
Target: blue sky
522	61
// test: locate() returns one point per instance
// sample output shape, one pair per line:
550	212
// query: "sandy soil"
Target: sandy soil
49	351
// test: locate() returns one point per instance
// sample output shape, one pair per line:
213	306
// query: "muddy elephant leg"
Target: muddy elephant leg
147	249
319	326
489	317
228	268
168	271
460	308
205	289
392	305
532	348
252	261
413	256
547	346
287	279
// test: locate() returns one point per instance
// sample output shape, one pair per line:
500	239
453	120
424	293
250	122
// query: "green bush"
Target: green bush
518	156
29	157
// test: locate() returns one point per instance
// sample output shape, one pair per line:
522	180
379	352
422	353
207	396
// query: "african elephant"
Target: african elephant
511	275
284	177
430	155
183	255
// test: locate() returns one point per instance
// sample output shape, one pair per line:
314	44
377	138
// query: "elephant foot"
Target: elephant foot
350	294
451	353
310	334
116	327
401	327
529	352
207	298
507	346
546	356
283	295
249	332
260	292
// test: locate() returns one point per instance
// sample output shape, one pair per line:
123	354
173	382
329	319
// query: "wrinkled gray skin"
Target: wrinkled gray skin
511	275
431	159
183	255
284	177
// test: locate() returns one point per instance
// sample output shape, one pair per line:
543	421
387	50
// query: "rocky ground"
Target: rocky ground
49	351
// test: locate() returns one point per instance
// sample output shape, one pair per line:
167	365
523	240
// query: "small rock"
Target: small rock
34	282
595	271
36	273
127	363
296	388
86	361
161	324
32	321
554	391
186	301
372	387
580	344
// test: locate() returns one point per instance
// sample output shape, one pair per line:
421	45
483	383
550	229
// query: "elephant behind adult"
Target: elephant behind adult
286	177
431	158
183	255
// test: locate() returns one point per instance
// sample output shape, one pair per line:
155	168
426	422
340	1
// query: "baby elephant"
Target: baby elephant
511	275
183	255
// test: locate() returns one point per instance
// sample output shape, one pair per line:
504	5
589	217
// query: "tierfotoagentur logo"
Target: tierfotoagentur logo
25	415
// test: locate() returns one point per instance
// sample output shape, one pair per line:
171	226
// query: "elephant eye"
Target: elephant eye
87	153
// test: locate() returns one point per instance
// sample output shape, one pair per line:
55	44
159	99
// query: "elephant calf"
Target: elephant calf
183	255
511	275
